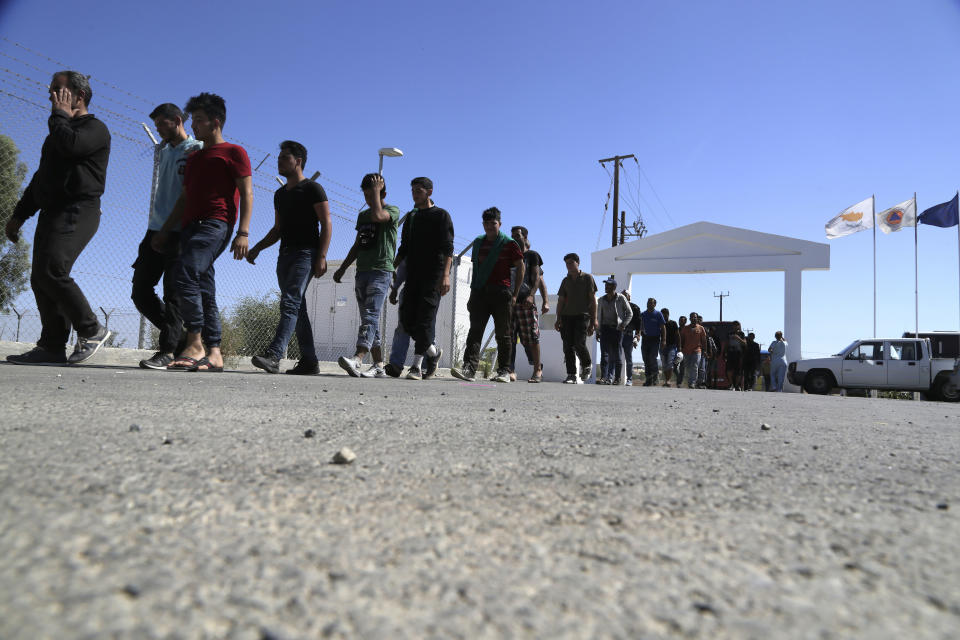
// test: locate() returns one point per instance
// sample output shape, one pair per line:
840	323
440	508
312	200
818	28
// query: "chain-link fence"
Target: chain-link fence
246	294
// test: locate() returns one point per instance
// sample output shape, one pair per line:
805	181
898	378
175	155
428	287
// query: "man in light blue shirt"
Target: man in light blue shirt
151	266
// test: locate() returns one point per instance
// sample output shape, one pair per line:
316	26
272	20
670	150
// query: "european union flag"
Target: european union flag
942	215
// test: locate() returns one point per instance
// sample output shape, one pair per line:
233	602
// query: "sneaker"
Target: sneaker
350	365
303	368
430	364
375	371
39	356
602	381
628	383
87	347
393	370
466	374
268	364
502	376
585	373
616	382
159	360
413	373
571	379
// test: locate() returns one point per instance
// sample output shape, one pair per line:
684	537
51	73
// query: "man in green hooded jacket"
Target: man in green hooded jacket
492	294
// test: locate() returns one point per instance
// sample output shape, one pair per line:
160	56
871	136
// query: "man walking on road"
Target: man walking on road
374	250
613	316
217	192
494	254
653	340
694	344
66	189
426	243
670	346
151	265
298	207
526	318
630	338
576	317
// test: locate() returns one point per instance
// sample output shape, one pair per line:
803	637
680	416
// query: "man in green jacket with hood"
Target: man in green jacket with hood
491	294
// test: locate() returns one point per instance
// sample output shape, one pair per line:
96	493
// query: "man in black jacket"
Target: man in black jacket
66	189
426	243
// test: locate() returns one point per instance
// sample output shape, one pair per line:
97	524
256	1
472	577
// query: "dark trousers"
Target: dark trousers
650	349
201	243
573	332
60	237
149	268
610	352
418	309
489	301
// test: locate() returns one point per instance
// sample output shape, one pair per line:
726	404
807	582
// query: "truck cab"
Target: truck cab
897	363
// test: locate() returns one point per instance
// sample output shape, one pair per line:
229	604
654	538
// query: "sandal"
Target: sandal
183	363
207	367
537	375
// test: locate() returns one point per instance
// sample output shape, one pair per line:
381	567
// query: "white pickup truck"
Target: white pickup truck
903	364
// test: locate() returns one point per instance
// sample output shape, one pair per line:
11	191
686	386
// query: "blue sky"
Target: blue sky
768	116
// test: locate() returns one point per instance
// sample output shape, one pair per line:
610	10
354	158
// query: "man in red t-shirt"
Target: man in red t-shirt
217	195
494	254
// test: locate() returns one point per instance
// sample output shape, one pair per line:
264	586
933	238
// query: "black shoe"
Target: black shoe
159	360
87	347
393	370
268	364
304	369
40	357
430	364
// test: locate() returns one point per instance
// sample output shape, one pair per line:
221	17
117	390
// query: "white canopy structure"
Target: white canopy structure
705	247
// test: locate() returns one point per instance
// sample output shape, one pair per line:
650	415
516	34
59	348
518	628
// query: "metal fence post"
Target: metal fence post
154	183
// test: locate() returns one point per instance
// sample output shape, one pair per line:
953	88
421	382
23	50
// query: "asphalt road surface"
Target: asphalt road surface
140	504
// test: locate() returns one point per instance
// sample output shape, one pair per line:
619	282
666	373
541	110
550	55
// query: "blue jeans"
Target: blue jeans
626	342
667	355
294	270
650	348
692	364
609	352
371	288
201	243
778	370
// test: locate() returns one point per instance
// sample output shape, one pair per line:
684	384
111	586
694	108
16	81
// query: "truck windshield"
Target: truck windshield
847	348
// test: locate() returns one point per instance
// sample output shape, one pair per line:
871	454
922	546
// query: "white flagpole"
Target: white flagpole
958	246
916	272
873	198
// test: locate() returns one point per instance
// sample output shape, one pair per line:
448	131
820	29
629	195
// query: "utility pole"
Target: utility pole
616	190
721	295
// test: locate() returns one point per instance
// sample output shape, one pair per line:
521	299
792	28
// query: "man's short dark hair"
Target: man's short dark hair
211	104
523	231
572	256
77	83
296	149
368	182
426	183
491	214
167	111
664	311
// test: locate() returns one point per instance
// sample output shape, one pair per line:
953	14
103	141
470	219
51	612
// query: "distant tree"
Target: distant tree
248	328
14	257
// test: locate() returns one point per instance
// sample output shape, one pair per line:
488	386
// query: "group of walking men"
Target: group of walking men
203	204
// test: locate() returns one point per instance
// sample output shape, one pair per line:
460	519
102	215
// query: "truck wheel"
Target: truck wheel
948	391
818	384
